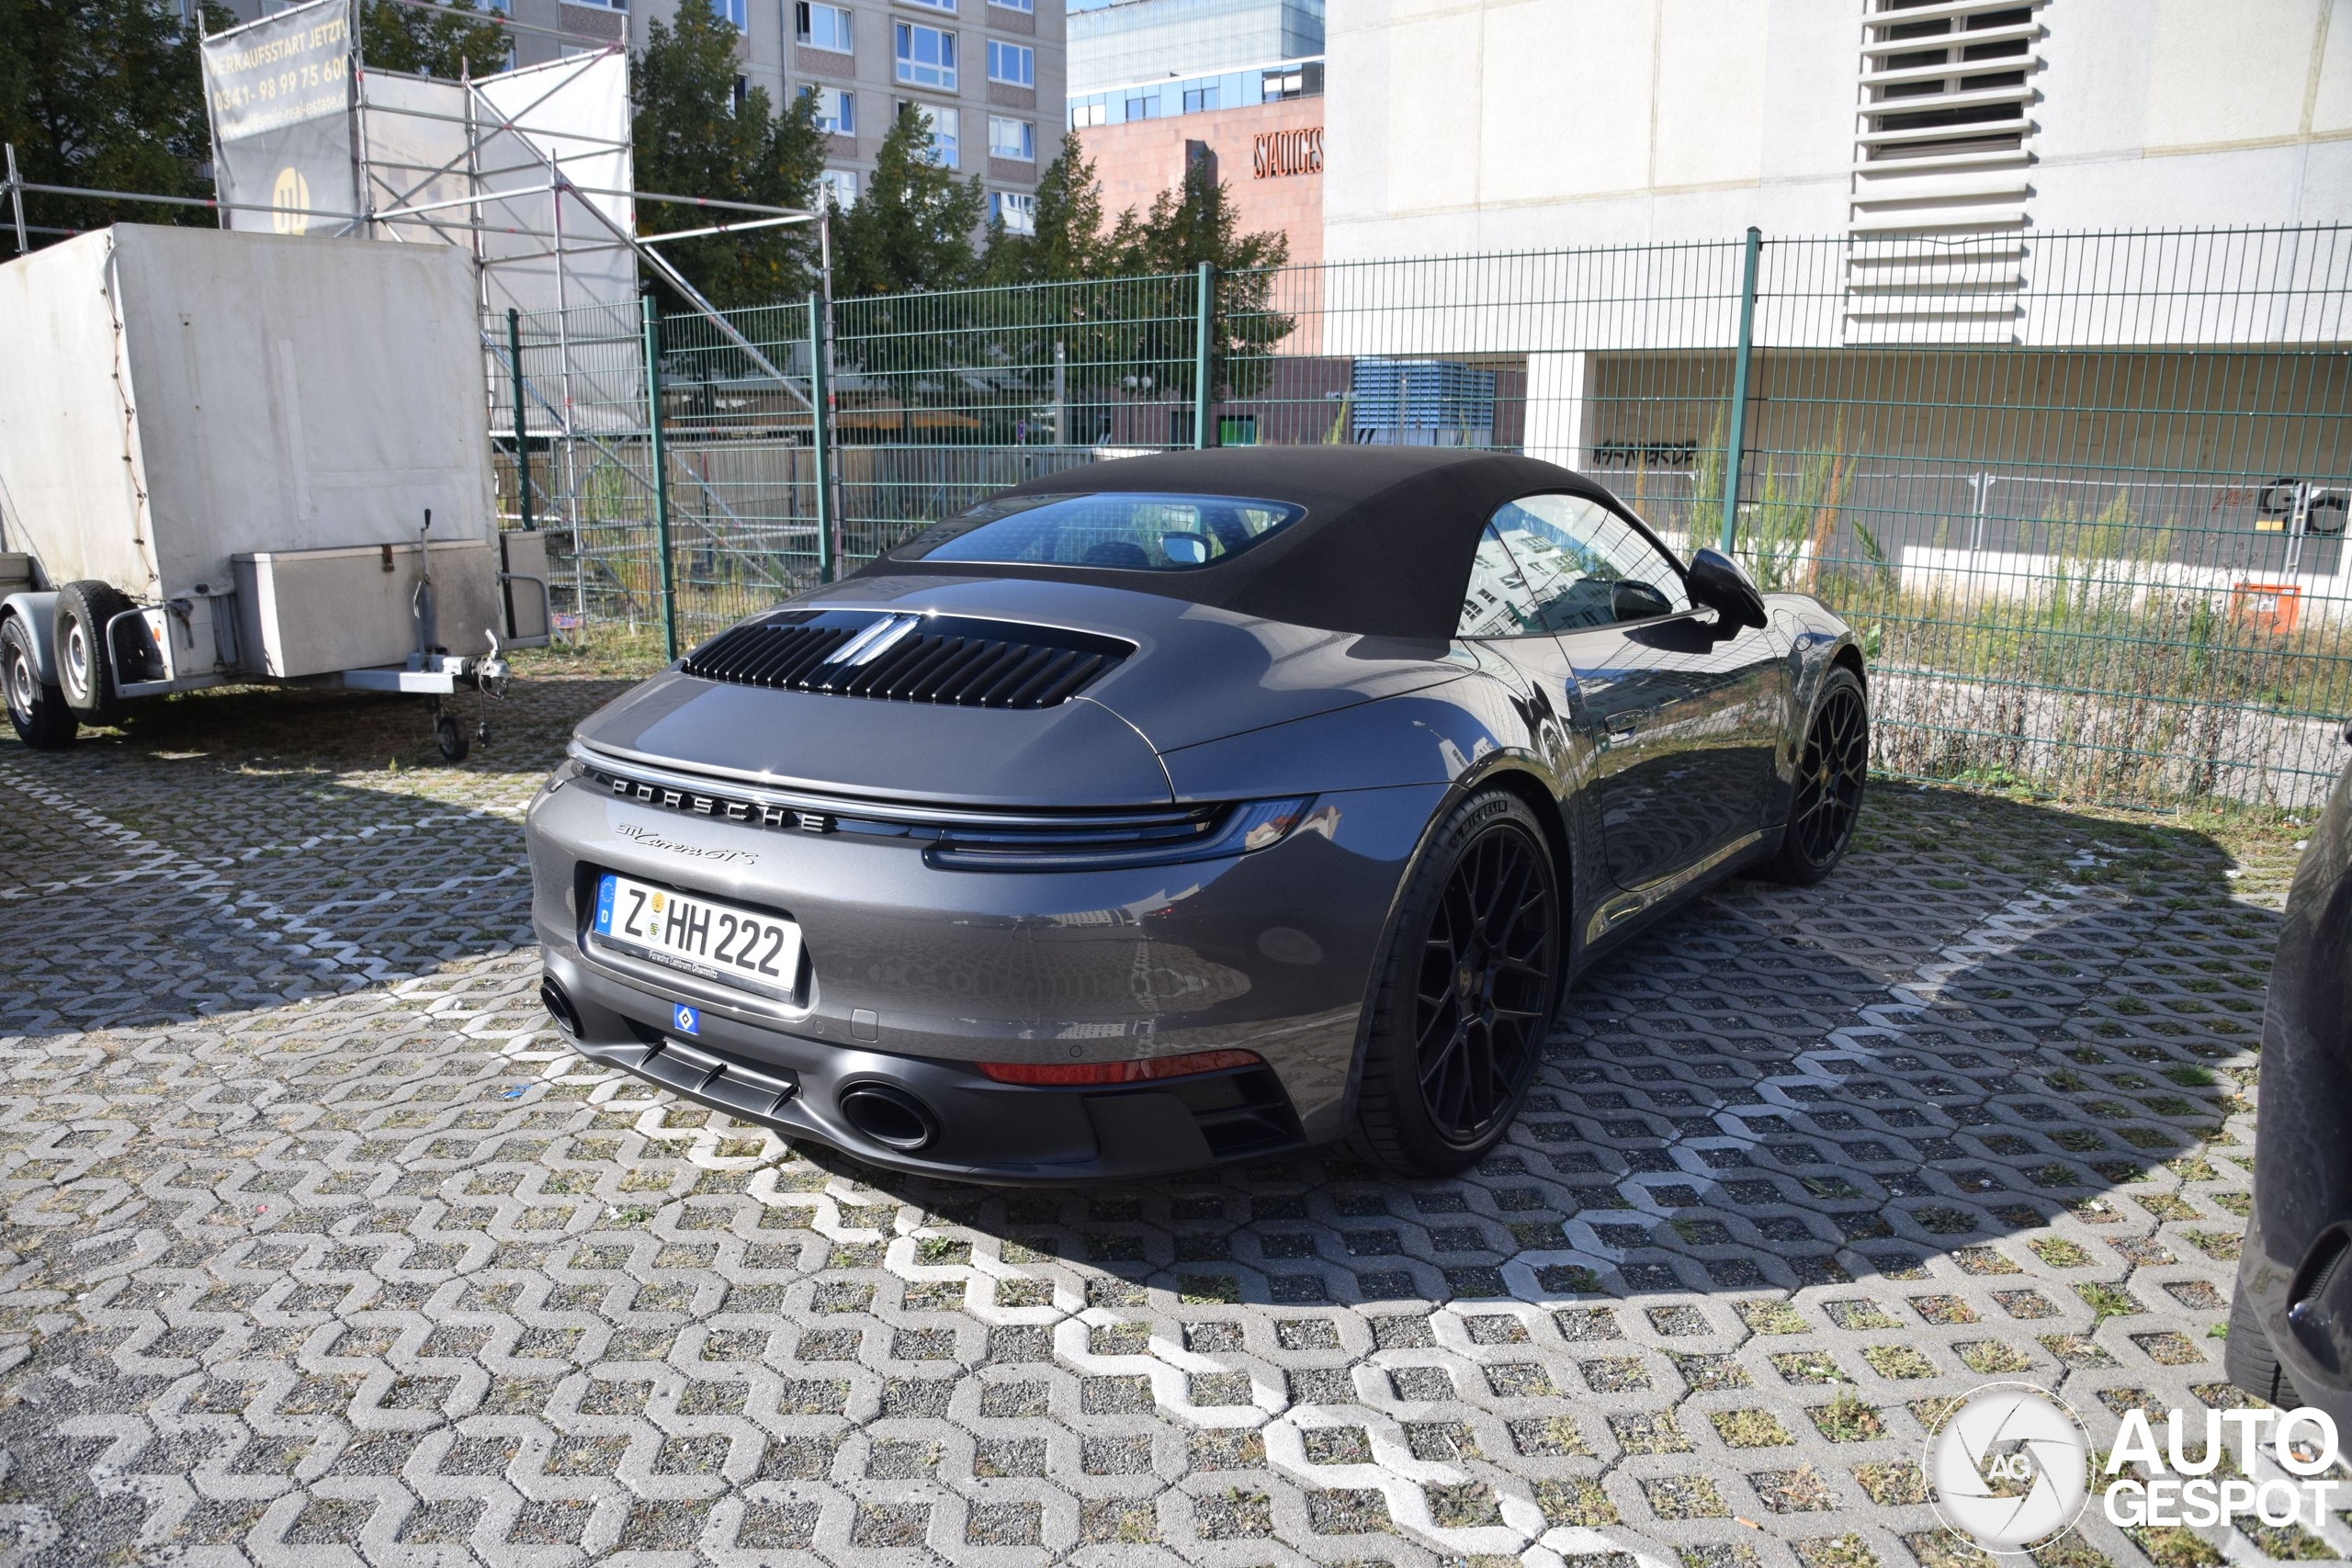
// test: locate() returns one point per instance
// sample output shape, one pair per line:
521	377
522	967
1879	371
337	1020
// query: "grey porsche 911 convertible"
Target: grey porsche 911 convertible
1182	809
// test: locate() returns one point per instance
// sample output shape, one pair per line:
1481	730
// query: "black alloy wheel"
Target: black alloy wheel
1487	966
1467	993
1832	773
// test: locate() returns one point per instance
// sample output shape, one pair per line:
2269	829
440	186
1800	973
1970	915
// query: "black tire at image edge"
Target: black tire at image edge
2247	1357
36	711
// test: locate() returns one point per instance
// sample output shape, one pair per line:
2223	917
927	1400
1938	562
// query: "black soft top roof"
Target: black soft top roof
1385	548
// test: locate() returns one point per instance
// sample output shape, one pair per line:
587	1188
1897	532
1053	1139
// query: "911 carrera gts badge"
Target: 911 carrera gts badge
651	838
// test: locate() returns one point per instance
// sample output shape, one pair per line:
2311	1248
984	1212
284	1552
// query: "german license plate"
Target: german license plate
725	942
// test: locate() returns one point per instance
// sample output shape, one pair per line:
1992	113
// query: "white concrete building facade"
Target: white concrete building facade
1489	125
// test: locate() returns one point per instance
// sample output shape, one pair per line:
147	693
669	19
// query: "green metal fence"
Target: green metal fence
2082	495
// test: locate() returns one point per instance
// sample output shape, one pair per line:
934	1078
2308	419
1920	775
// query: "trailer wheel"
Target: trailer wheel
85	663
36	709
450	736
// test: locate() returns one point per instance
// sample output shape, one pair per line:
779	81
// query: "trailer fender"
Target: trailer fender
38	612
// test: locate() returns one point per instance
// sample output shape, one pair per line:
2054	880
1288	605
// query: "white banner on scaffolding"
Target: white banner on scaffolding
477	165
278	91
570	115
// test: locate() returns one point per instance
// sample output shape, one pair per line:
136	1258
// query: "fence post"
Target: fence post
660	474
522	439
1739	390
821	436
17	200
1205	307
1062	394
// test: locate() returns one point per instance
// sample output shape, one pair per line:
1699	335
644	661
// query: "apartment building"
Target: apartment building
987	76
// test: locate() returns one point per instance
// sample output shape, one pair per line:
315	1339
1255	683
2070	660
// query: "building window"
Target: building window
836	110
1143	108
1028	6
1015	65
1084	115
739	97
1015	210
1013	138
926	56
946	6
839	186
946	125
734	13
821	26
1199	99
1304	80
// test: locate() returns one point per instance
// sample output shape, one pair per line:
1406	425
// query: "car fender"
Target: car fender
1816	638
1461	735
2303	1150
1429	736
1490	770
38	612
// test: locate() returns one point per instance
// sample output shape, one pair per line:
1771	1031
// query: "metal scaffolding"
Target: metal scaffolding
531	171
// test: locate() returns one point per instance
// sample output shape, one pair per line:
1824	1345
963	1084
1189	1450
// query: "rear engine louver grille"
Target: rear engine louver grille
961	660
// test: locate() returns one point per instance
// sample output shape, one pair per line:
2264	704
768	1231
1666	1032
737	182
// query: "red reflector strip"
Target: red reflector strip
1065	1074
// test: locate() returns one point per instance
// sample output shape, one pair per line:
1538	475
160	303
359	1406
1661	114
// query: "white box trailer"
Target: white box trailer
219	454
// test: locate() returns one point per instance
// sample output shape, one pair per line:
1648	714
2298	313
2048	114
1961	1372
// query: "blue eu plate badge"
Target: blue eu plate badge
686	1021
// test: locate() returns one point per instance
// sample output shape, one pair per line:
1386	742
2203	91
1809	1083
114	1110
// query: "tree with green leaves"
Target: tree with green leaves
106	97
1192	223
450	39
912	229
1071	242
1189	225
1120	298
693	137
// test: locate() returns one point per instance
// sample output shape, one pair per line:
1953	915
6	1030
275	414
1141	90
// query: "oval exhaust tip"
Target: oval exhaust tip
889	1115
557	1002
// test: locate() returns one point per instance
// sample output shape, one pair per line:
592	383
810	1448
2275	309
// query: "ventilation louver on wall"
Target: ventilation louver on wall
1943	165
961	660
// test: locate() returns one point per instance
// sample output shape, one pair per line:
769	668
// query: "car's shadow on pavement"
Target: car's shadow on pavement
304	1193
1996	1019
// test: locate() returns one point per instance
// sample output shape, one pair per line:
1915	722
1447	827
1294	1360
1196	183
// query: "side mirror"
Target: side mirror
1634	600
1717	582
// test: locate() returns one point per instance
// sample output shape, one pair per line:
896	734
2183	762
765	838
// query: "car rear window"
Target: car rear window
1120	532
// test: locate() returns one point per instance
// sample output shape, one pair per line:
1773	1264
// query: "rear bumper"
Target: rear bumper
916	973
983	1129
